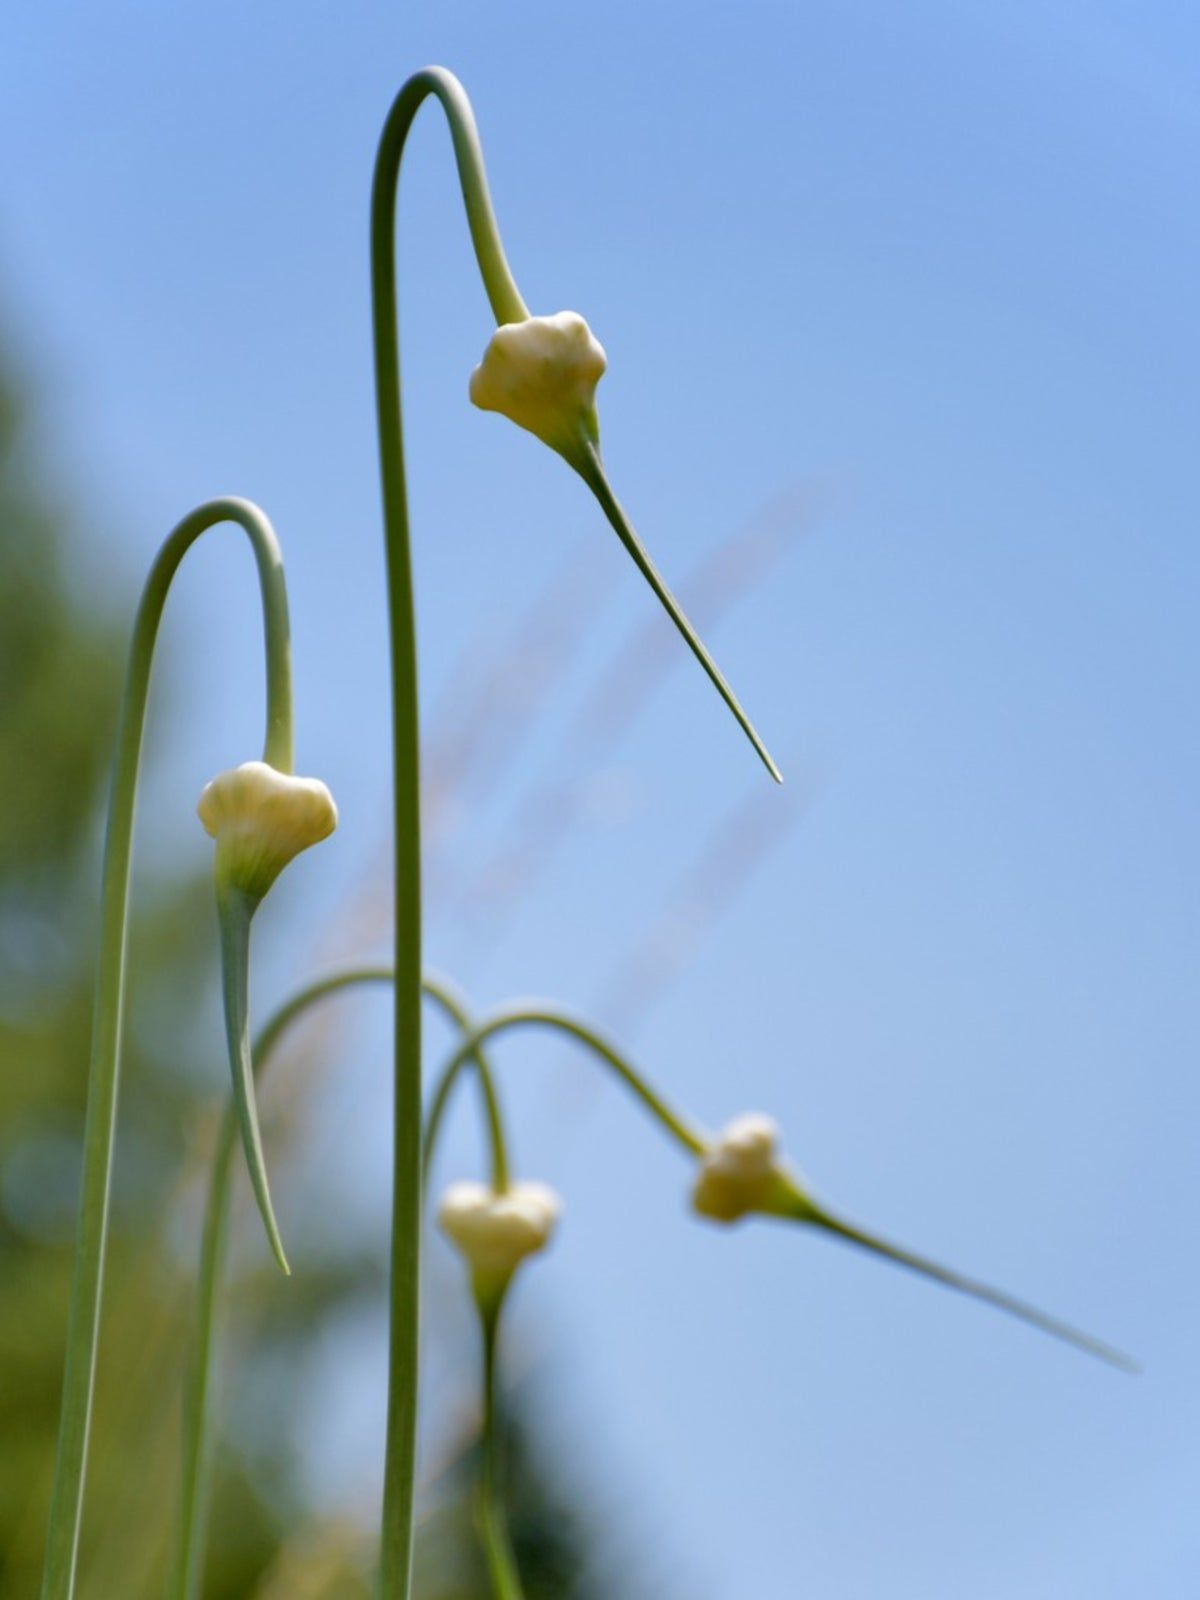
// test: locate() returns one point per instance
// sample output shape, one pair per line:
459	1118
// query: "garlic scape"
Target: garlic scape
544	376
742	1173
541	373
104	1069
260	818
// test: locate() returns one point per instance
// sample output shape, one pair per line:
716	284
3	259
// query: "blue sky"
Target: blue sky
935	264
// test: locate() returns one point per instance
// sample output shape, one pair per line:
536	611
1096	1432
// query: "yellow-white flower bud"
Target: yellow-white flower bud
740	1172
542	374
261	818
495	1232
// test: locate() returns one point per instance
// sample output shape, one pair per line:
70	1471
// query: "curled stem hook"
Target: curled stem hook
507	307
792	1202
563	1022
66	1509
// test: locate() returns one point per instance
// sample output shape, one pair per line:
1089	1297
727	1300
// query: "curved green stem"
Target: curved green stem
497	1546
493	1524
543	1016
187	1563
498	281
508	306
66	1511
453	1006
791	1201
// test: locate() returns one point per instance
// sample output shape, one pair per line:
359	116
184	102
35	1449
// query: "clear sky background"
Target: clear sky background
939	261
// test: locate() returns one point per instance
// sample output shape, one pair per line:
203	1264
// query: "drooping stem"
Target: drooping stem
493	1524
542	1016
508	306
188	1559
66	1512
792	1202
497	1546
452	1005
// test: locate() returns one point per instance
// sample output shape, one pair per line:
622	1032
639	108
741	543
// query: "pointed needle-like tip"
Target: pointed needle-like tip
998	1298
273	1235
591	470
235	914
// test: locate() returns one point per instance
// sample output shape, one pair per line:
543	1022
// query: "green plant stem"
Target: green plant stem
508	306
542	1016
188	1559
66	1511
793	1203
497	1546
453	1006
493	1524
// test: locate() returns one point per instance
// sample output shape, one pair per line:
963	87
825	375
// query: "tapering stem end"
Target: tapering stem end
235	911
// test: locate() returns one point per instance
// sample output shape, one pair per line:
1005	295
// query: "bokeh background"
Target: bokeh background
899	304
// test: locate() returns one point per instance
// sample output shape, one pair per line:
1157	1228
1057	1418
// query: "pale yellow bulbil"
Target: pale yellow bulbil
495	1232
261	818
740	1173
542	374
